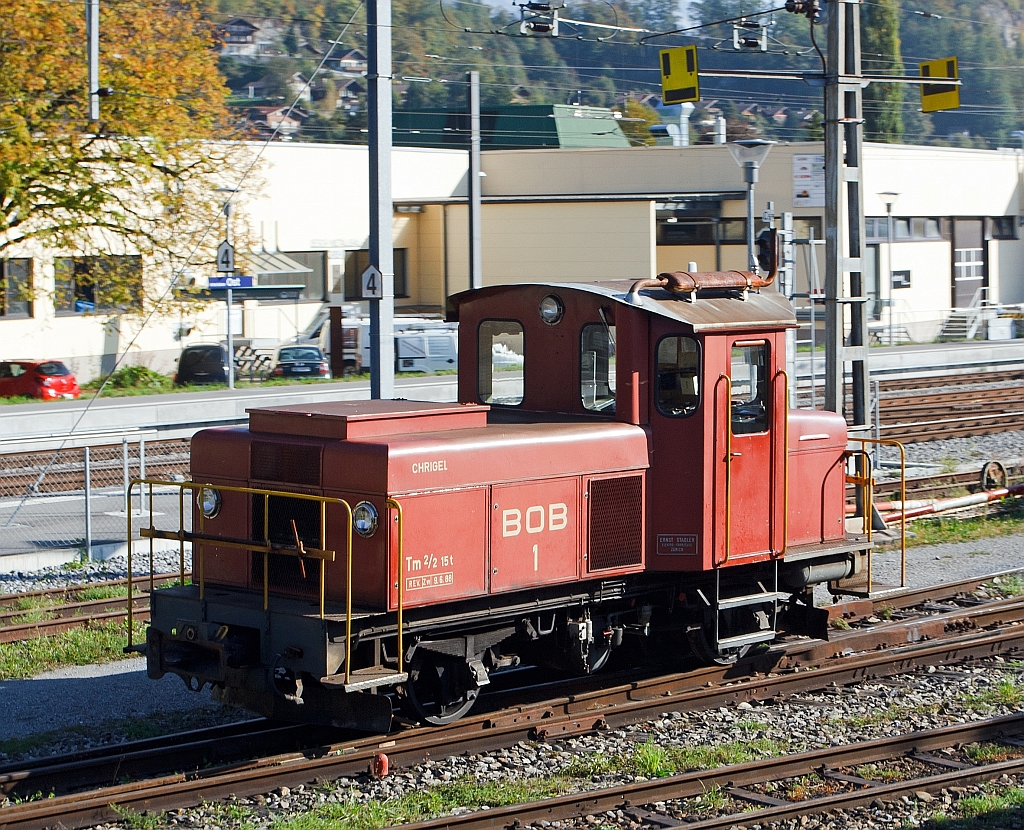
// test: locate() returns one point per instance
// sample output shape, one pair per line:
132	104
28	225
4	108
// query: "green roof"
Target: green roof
512	127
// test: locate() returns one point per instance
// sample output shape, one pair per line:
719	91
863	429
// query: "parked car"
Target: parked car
50	380
204	363
300	362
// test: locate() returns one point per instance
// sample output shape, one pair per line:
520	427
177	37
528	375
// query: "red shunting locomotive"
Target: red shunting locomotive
622	465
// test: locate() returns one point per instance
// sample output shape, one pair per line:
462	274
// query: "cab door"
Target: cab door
750	483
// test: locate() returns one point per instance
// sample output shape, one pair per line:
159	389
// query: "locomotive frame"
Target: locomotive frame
627	480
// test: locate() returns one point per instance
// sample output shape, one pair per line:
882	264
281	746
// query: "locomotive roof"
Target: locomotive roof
708	312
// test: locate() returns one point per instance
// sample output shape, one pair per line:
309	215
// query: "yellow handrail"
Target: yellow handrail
401	576
266	548
182	536
728	466
785	459
889	442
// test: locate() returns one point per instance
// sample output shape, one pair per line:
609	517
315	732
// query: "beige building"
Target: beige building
566	215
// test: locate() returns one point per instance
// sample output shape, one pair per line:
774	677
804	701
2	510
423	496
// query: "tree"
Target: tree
637	122
880	49
141	181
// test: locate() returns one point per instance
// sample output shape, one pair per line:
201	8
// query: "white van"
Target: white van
421	345
426	351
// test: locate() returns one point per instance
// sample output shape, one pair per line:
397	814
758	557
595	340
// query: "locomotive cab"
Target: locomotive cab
703	374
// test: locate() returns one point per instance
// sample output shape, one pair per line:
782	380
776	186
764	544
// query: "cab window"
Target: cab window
597	367
678	376
749	374
502	359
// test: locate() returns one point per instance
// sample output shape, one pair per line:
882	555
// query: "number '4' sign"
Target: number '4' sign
372	288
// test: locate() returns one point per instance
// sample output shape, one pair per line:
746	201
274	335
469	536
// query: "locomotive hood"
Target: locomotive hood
718	312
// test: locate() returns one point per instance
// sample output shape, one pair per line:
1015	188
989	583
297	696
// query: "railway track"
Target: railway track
949	406
744	783
992	628
44	613
44	473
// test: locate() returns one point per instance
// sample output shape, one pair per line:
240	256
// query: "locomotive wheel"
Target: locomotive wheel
439	688
700	642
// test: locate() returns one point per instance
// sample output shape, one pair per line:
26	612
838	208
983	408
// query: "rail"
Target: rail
866	483
265	546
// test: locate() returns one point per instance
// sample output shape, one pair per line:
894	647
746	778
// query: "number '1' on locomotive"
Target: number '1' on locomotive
622	465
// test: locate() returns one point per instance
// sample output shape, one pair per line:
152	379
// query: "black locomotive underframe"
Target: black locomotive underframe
287	662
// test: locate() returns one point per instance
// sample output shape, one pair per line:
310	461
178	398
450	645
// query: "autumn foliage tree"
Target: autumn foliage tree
141	181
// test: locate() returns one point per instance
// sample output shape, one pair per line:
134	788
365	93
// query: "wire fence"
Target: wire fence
76	499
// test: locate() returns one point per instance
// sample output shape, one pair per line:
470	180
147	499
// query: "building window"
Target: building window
673	231
678	373
749	375
84	285
501	357
1003	227
803	225
732	231
901	279
15	288
597	367
315	282
358	261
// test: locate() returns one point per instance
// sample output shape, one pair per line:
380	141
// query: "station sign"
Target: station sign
679	82
936	97
231	282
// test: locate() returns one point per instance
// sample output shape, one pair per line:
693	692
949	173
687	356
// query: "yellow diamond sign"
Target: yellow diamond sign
679	75
937	96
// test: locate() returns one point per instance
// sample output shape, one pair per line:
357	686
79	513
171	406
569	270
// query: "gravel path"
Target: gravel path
92	700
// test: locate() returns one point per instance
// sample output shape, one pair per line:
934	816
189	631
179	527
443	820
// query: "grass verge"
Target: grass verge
424	803
943	529
100	643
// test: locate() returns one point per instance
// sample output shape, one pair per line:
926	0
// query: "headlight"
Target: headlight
364	519
551	310
209	502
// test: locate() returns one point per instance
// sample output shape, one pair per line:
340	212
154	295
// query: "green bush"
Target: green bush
135	378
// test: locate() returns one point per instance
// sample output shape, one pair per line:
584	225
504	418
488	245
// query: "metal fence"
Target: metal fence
76	498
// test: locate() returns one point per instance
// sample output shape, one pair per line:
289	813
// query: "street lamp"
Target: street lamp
749	154
890	197
227	239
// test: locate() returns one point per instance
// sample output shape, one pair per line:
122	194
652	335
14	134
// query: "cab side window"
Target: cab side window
501	357
749	373
678	376
597	367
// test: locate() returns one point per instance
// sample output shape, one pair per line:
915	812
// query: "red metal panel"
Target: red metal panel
535	534
445	555
514	452
817	441
221	456
355	419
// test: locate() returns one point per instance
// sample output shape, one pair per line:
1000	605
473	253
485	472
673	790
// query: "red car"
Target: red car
47	379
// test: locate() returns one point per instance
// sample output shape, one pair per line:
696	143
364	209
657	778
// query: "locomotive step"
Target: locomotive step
363	679
750	599
747	639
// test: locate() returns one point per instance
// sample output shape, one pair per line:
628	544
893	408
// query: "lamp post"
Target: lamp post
227	238
890	197
749	154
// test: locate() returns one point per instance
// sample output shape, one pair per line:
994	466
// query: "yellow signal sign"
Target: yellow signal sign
679	75
936	97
